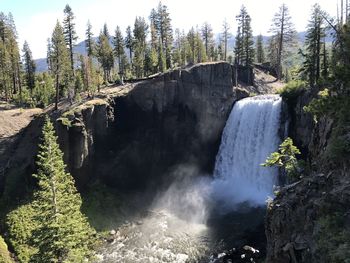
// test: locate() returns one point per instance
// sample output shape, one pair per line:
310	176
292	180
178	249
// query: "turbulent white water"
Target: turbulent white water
250	135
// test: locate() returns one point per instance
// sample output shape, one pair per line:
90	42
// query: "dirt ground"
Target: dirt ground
266	82
13	119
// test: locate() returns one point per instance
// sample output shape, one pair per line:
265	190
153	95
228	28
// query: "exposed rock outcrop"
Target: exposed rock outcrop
127	139
308	221
299	223
173	120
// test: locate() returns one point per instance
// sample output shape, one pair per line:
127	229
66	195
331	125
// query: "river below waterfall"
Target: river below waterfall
210	219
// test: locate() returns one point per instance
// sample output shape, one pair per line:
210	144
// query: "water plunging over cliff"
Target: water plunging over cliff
250	135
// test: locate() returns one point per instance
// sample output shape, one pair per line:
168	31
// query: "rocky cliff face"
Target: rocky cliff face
309	220
162	125
143	135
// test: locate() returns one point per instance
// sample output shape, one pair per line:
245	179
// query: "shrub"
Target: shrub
292	90
4	253
285	157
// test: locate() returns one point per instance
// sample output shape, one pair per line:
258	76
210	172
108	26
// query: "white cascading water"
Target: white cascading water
249	137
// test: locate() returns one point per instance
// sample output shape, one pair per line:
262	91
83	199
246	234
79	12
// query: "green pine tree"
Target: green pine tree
60	65
260	53
225	37
208	38
70	33
119	52
283	36
89	41
162	24
244	50
314	36
105	54
129	43
29	67
285	157
63	233
140	34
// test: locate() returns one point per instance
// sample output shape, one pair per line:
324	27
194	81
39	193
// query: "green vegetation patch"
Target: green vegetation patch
292	90
4	253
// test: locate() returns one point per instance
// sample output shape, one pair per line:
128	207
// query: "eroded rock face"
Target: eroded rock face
176	119
305	217
77	134
299	221
302	123
150	134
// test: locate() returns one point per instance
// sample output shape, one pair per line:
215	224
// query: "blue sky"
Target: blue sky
35	19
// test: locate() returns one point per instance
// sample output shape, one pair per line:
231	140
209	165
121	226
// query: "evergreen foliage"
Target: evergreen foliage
164	31
225	37
89	41
244	49
129	42
4	253
29	67
10	67
208	38
51	228
70	34
119	49
315	47
140	34
284	36
260	53
60	65
285	157
105	54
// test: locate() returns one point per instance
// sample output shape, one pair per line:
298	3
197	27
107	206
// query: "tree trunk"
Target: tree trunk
280	46
318	51
57	92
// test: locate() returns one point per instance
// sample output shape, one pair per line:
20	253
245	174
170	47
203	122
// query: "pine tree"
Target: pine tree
29	66
69	33
239	46
60	61
284	34
118	42
179	46
105	54
200	53
48	55
89	41
260	53
10	71
314	35
207	35
63	233
244	49
140	34
129	43
225	37
162	23
191	52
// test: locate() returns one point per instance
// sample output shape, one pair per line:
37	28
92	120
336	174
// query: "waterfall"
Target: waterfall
250	135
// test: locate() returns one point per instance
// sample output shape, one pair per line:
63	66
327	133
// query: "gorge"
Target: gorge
184	152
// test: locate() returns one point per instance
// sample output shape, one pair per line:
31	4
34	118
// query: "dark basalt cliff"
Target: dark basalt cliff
137	138
308	221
